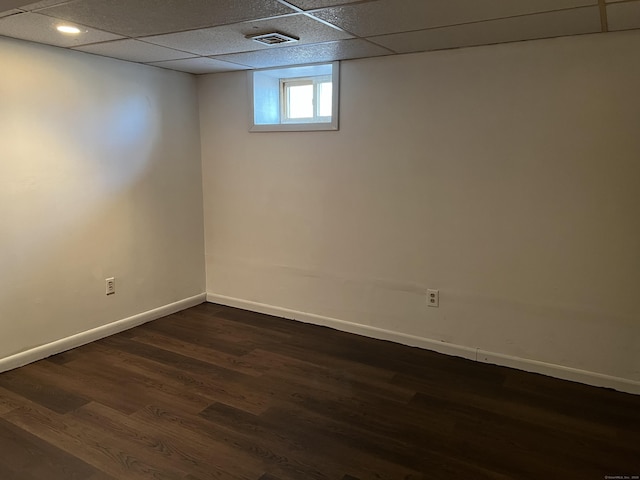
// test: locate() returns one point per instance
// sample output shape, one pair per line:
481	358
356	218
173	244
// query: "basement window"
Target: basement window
295	98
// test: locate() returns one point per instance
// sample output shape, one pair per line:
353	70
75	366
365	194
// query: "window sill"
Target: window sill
296	127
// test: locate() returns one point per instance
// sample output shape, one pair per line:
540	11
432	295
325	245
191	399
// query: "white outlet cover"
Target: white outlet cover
433	298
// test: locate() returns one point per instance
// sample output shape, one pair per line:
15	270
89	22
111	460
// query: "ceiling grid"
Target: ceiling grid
209	36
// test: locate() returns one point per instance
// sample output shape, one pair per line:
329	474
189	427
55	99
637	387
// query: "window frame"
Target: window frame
315	81
296	125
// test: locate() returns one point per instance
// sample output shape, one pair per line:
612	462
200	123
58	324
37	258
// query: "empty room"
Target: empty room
319	239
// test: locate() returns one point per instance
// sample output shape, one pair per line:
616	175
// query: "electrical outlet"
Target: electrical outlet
111	286
433	298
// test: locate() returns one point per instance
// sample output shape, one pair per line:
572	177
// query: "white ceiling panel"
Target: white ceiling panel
42	29
135	51
527	27
10	4
136	18
323	52
232	38
393	16
200	65
43	4
10	12
311	4
623	16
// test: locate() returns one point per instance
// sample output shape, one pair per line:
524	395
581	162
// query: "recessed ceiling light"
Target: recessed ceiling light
68	29
275	38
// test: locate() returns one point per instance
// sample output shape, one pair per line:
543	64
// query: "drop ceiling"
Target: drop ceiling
209	36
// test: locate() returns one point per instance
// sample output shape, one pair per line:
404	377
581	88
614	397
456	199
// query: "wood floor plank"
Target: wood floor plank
45	393
166	357
573	399
6	402
337	364
393	419
538	451
271	453
9	473
218	393
292	437
100	476
231	388
205	354
110	393
317	376
87	445
144	388
229	330
64	357
154	377
344	454
199	333
30	456
162	448
517	409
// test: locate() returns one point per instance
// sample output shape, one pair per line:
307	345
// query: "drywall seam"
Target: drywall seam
82	338
476	354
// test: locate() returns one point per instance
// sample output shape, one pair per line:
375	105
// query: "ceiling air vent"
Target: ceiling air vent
271	39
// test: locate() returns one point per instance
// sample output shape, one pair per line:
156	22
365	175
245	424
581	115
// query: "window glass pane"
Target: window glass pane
300	101
325	94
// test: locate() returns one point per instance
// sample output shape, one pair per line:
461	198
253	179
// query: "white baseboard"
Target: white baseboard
82	338
527	365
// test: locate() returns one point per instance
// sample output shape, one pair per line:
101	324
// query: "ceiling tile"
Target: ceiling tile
42	4
322	52
231	38
527	27
152	17
9	13
135	51
40	28
391	16
10	4
200	65
623	16
311	4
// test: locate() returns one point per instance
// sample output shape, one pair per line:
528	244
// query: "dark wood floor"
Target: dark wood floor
219	393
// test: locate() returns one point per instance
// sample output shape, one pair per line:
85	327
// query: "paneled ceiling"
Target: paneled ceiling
208	36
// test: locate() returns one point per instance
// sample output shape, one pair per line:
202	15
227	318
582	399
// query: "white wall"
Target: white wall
100	176
506	176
